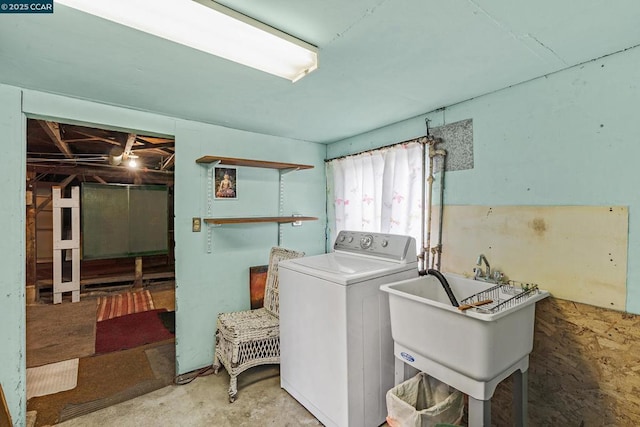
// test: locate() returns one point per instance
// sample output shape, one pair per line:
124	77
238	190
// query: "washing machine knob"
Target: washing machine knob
350	239
385	243
341	238
366	241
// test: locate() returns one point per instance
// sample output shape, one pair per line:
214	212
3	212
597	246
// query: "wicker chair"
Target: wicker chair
245	339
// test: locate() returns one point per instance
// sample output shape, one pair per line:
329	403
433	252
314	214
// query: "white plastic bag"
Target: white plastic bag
423	401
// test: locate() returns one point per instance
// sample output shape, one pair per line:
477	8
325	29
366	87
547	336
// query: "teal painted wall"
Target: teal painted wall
209	283
206	283
12	248
570	138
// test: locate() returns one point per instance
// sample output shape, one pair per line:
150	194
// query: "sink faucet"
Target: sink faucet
478	271
488	275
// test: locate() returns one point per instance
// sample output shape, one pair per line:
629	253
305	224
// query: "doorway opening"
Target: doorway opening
102	315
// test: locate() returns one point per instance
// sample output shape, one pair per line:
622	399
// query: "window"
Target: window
378	191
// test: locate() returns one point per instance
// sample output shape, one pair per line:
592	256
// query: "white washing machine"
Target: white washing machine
336	350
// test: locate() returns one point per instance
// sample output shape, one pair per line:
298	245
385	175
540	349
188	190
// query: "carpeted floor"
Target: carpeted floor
162	358
106	379
52	378
124	303
168	319
65	331
132	330
164	298
60	332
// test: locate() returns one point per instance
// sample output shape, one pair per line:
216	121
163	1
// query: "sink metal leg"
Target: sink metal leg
399	371
403	371
520	398
479	412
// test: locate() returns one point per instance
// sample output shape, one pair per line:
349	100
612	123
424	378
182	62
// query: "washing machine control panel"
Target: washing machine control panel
388	246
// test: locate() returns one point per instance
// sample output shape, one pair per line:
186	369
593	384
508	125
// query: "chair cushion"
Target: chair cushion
251	323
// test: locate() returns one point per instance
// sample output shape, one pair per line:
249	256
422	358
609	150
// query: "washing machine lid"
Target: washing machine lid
345	269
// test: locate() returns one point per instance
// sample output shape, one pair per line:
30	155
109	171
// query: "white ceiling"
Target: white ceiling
381	61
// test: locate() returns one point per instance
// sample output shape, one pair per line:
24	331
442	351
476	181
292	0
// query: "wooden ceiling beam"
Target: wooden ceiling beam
53	130
155	140
87	139
131	139
152	153
169	162
97	138
107	173
100	180
149	146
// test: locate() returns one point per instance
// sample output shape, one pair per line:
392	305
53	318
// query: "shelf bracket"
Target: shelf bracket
281	173
286	171
210	182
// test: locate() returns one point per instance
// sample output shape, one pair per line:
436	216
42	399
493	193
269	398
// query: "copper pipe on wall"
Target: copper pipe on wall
438	248
421	261
431	142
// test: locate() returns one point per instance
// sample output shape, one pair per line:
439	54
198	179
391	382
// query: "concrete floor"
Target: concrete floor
205	402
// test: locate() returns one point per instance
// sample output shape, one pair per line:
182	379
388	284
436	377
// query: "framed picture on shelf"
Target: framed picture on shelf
225	183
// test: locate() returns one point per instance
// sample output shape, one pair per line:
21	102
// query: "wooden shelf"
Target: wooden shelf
252	163
278	219
283	168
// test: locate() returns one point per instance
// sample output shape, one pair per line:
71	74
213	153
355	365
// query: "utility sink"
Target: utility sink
472	350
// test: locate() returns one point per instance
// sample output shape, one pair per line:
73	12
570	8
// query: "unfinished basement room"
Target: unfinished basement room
347	214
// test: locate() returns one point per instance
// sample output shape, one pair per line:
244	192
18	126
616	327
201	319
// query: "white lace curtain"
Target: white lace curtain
379	191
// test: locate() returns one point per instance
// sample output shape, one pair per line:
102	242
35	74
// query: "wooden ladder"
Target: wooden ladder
60	245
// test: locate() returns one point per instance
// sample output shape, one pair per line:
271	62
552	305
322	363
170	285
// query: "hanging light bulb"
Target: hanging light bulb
132	162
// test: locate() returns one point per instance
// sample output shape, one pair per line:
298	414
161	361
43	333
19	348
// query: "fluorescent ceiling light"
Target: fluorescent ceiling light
212	28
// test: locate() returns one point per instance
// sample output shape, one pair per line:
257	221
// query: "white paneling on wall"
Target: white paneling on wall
578	253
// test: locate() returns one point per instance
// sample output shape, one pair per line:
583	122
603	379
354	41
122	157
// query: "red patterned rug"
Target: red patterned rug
122	304
132	330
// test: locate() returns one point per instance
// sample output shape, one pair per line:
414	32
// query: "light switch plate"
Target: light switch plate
196	225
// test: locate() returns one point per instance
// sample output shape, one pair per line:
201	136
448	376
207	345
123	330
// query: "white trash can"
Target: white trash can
423	401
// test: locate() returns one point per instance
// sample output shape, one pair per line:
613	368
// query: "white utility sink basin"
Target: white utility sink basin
471	350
